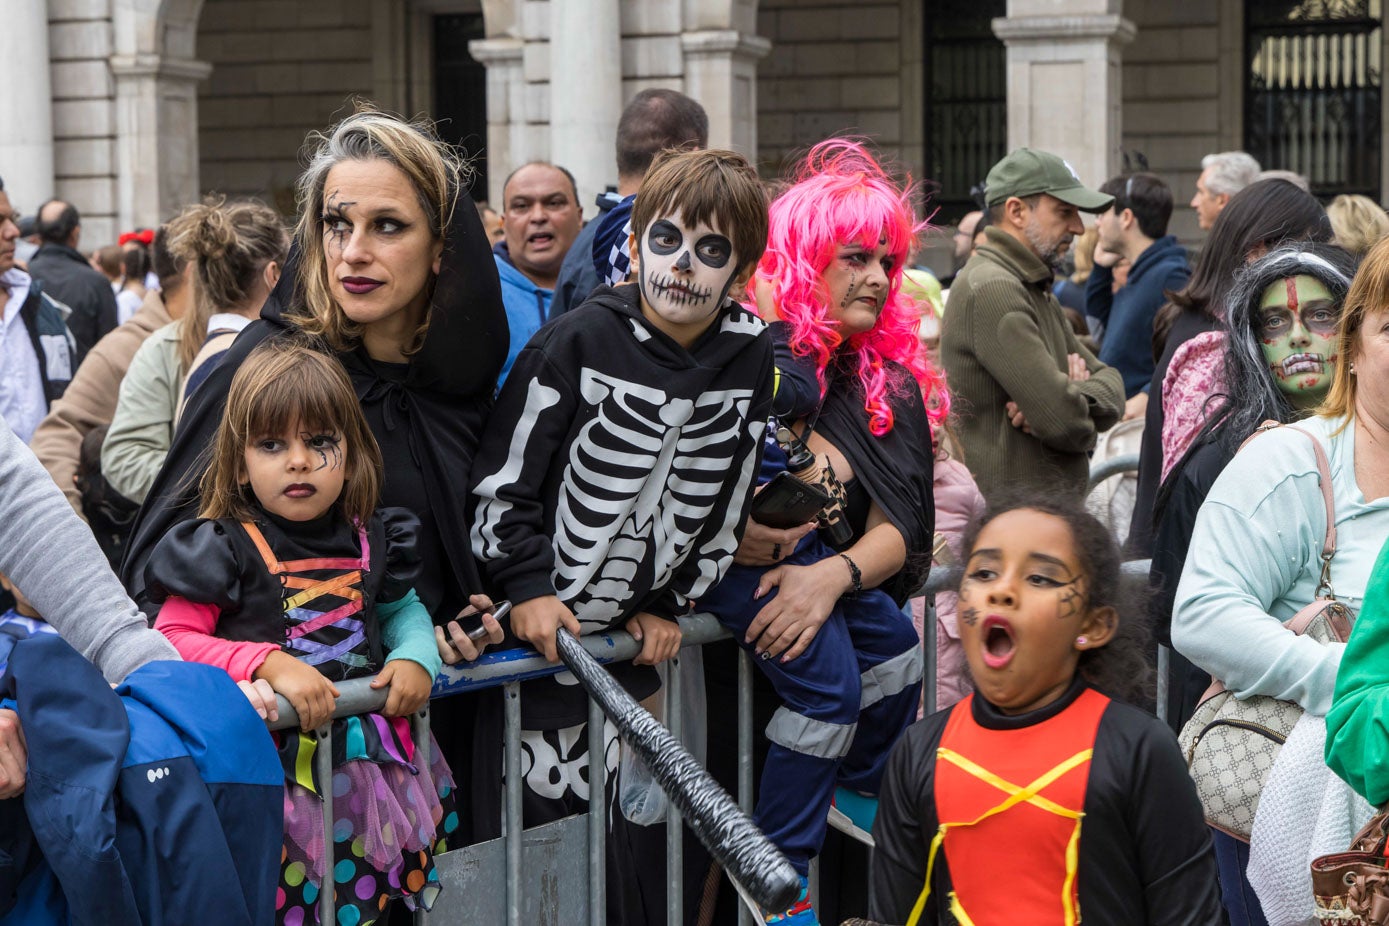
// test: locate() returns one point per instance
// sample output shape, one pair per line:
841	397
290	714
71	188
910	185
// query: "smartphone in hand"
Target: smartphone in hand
470	619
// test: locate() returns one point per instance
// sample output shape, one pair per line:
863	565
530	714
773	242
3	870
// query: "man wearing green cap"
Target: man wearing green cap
1030	398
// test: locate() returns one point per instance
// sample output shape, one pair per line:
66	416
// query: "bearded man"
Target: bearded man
1030	398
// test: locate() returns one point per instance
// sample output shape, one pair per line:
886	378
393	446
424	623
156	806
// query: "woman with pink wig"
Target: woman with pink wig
822	609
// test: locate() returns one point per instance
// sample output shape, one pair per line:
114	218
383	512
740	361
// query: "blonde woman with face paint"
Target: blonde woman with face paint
391	270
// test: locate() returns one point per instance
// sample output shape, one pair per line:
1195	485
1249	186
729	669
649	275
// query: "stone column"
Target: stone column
585	92
506	87
1064	80
156	136
721	73
26	106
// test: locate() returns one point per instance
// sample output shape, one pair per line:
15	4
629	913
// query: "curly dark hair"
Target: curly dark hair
1122	668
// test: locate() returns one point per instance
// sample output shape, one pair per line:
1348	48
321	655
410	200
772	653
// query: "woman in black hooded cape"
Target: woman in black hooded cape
427	415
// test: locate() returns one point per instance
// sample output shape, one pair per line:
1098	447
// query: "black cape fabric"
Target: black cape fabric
428	420
896	469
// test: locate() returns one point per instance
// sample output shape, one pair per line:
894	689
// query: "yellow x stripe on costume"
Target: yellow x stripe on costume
1030	794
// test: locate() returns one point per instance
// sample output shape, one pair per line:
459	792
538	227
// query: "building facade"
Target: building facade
131	108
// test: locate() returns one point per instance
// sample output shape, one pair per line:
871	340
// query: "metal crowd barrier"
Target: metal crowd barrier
564	861
1114	466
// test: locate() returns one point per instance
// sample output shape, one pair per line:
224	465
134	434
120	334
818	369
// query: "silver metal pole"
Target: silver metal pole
928	657
745	795
675	861
323	766
1164	666
597	816
511	695
419	728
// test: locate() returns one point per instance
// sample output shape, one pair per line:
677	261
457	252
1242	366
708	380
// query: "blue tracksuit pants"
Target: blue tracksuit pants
845	701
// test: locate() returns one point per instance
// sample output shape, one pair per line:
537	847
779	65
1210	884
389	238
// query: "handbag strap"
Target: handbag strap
1328	547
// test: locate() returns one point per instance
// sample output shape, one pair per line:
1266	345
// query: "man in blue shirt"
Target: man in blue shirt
541	217
1134	227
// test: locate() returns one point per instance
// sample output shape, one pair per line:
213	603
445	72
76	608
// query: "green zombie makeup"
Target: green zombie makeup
1297	330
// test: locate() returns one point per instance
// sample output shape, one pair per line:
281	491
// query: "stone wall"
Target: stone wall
1173	85
835	67
518	104
80	44
280	68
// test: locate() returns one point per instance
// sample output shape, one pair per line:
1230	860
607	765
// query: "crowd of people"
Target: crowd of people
409	428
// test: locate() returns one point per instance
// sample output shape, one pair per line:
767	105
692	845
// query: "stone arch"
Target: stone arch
156	107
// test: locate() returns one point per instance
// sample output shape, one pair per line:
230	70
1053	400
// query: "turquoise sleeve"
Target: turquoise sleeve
1357	726
408	633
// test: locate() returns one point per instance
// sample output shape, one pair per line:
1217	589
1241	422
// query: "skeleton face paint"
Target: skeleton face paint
684	274
1297	328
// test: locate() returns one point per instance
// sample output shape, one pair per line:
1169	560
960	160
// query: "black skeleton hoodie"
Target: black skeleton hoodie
617	466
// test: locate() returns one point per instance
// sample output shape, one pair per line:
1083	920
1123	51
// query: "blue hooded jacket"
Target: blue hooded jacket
1127	342
527	306
158	803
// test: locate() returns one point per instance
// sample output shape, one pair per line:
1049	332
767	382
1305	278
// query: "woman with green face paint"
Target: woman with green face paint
1251	559
1296	323
1279	360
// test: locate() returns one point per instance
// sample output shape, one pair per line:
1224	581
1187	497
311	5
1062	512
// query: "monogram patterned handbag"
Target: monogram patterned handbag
1229	743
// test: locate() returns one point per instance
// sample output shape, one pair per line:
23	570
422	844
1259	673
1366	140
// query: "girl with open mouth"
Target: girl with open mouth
1041	795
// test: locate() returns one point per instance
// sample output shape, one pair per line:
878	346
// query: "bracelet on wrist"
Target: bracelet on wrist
855	574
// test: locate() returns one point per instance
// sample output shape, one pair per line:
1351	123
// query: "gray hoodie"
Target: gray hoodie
52	557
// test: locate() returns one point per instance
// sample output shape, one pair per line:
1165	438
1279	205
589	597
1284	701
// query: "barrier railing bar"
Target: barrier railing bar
512	710
1114	466
323	767
675	876
1164	666
928	657
419	731
745	796
597	818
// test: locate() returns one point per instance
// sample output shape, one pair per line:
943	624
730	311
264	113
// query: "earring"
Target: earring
1352	369
1081	641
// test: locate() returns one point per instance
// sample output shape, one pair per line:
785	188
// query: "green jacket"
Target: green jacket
1004	338
1357	726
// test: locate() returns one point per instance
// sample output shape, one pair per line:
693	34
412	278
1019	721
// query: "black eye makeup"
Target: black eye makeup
714	251
664	237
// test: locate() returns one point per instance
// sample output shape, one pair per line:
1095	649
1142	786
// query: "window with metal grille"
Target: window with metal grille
965	124
460	92
1312	90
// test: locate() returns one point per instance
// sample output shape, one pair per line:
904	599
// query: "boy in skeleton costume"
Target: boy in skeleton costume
613	481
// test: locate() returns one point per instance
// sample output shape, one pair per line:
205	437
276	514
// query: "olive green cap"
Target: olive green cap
1027	172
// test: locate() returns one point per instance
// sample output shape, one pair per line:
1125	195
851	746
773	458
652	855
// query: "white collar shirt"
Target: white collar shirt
22	401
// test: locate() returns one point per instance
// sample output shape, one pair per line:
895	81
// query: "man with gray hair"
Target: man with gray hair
1222	176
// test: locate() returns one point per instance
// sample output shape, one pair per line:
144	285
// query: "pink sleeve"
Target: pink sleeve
1196	373
189	627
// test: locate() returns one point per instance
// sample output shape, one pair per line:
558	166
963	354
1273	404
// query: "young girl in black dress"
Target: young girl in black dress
292	576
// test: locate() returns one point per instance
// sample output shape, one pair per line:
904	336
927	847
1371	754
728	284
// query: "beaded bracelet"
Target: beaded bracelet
855	575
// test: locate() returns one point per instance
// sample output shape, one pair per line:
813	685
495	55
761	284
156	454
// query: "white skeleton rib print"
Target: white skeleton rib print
643	478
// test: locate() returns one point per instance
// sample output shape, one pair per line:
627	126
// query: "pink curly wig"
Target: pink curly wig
841	195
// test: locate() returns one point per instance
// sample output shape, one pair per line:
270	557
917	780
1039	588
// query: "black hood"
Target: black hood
461	310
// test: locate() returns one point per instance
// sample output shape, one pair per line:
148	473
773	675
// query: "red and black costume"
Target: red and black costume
1079	811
